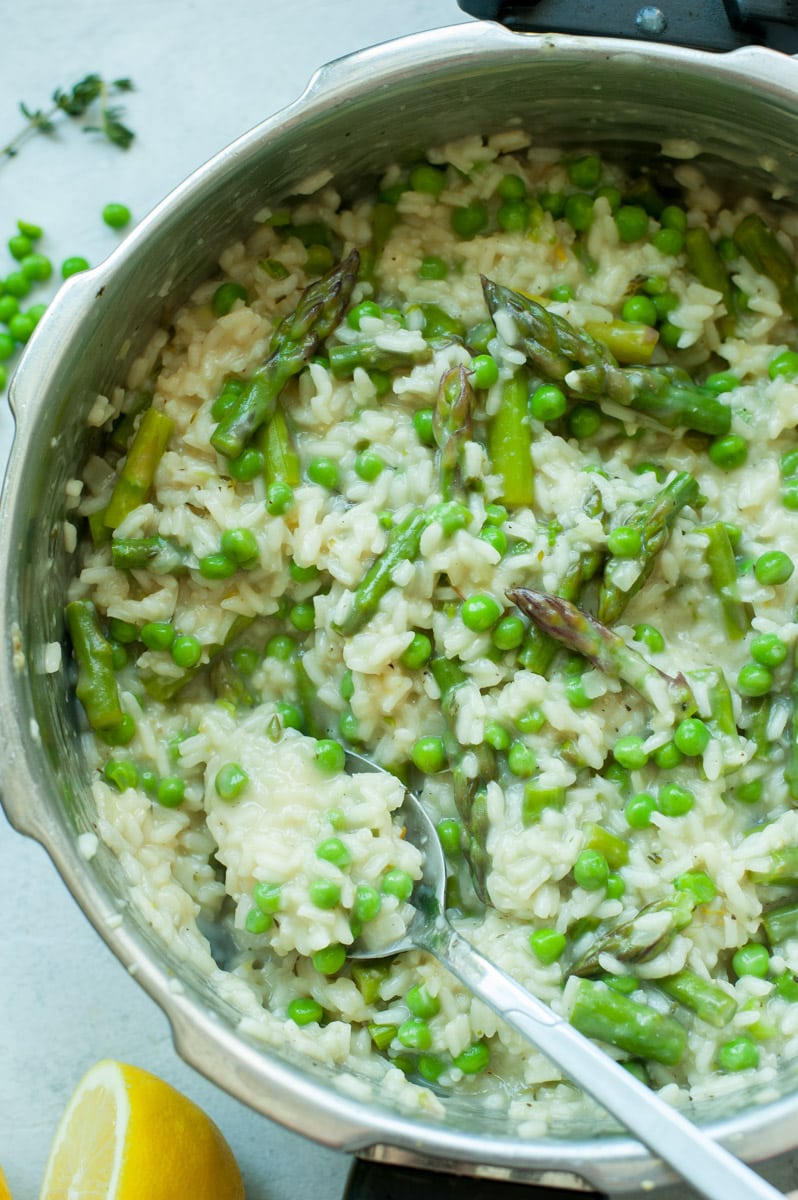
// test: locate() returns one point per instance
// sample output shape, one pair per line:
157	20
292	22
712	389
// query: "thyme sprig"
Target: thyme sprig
91	97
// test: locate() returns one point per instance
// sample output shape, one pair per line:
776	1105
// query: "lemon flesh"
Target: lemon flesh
126	1134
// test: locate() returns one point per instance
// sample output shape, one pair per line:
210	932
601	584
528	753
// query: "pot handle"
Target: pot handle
387	1181
711	25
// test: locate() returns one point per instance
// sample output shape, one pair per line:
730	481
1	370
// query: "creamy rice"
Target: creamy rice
222	791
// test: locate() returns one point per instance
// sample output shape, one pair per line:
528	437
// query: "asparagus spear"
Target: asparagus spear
280	457
96	687
566	354
723	573
469	793
628	341
765	253
156	554
122	430
791	768
602	647
600	1012
451	426
654	519
709	268
403	543
782	870
781	924
136	477
705	999
642	937
344	359
510	444
294	343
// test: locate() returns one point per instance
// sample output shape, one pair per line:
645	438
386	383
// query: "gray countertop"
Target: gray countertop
204	72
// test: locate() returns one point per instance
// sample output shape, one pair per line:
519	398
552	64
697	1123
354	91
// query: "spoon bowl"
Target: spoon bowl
709	1168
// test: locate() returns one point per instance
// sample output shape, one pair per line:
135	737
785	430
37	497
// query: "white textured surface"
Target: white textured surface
204	73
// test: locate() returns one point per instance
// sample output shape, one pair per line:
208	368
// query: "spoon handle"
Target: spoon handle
707	1166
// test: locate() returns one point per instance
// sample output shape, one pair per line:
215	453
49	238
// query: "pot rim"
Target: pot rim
271	1085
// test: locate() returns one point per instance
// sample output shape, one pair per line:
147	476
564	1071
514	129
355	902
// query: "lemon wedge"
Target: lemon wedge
126	1134
5	1194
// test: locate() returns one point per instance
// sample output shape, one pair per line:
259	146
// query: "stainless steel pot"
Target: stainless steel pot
357	115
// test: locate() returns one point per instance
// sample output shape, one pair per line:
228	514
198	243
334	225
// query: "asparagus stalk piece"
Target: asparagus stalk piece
781	924
403	544
156	554
280	457
721	719
765	253
602	647
791	767
782	870
166	687
628	341
705	999
469	793
510	444
294	343
96	687
654	519
138	472
642	937
600	1012
723	573
124	425
344	359
451	426
709	268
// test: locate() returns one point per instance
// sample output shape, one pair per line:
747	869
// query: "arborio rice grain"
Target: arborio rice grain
618	808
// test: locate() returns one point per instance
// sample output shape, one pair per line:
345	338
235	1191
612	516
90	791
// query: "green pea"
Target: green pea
521	759
116	216
768	649
367	903
122	733
674	800
513	216
248	465
281	647
122	773
119	656
479	337
415	1034
485	371
673	217
186	651
267	896
30	230
749	792
585	172
631	221
37	267
304	1010
227	399
430	1067
324	893
7	346
432	267
721	381
552	202
122	631
171	791
575	692
698	884
591	870
230	781
754	679
668	241
625	541
16	284
639	309
495	537
397	883
784	365
650	637
330	756
739	1054
418	653
511	187
751	959
578	211
547	403
368	465
301	574
629	752
366	308
786	988
691	736
19	246
73	266
9	306
333	850
668	756
349	727
728	452
480	612
421	1002
428	179
429	754
474	1059
497	736
639	810
547	945
324	472
21	326
217	566
329	960
240	545
469	220
279	497
509	633
422	423
584	421
450	835
453	516
773	567
612	195
302	616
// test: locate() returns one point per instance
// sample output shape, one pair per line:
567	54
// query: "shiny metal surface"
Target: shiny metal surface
357	115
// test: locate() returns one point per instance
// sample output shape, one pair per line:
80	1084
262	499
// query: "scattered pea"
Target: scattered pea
624	541
674	800
754	679
591	870
739	1054
629	752
330	757
784	365
418	653
116	216
485	371
429	754
324	472
186	651
547	403
773	567
324	893
397	883
728	452
639	810
547	945
73	266
329	960
230	781
304	1010
691	736
480	612
768	650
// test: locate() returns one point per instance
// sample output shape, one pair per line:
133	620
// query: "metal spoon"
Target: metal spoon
705	1165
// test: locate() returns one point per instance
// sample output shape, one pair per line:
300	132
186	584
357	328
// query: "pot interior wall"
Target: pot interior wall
381	109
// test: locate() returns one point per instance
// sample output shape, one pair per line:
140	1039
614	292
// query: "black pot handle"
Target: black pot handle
710	25
386	1181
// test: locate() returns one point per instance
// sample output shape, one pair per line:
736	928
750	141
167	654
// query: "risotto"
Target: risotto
492	478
